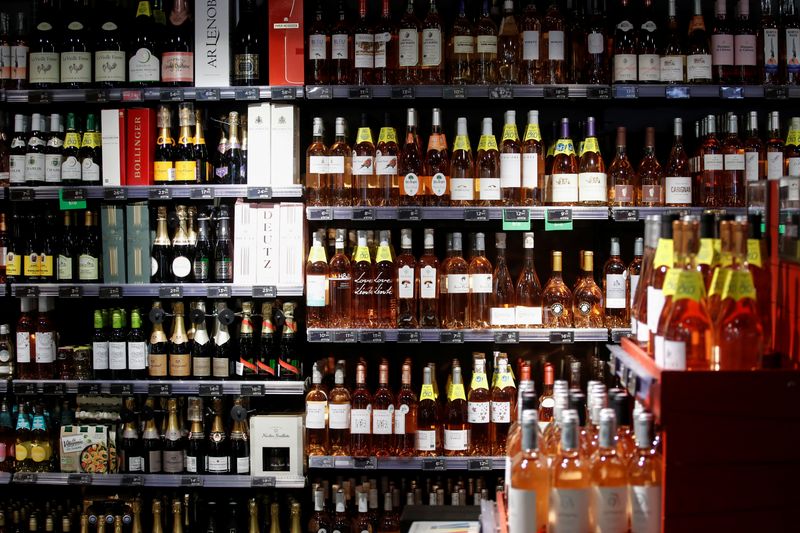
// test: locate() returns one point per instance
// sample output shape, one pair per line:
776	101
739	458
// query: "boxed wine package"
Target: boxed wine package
112	217
286	42
276	446
293	244
137	222
268	243
284	145
140	153
113	127
258	147
244	249
212	42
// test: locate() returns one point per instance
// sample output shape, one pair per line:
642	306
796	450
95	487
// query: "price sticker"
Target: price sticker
54	389
451	337
731	93
159	389
265	291
476	215
79	479
73	194
677	92
320	335
625	215
516	219
319	92
259	193
207	95
408	336
201	193
26	291
562	337
506	337
626	91
69	291
40	97
115	194
110	292
191	481
364	214
559	215
323	462
25	477
283	93
403	93
454	92
121	389
247	94
501	92
210	389
160	193
316	213
618	334
132	480
359	93
344	336
219	291
89	388
171	95
433	465
21	194
255	389
557	93
413	213
133	95
170	291
479	465
776	92
25	388
598	92
371	337
263	482
365	463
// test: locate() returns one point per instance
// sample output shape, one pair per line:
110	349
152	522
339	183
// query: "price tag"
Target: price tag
451	337
115	194
201	193
40	97
403	93
408	336
263	482
171	95
110	292
501	92
365	463
625	215
618	334
321	335
170	291
319	92
89	388
371	337
480	465
359	93
506	337
562	337
259	193
221	291
69	291
626	91
476	215
20	194
265	291
54	389
776	92
73	194
364	214
121	389
516	219
26	291
132	480
133	95
25	389
324	462
160	193
409	213
283	93
210	389
159	389
343	462
247	93
598	92
731	93
344	336
430	465
96	96
454	92
191	481
559	215
558	93
79	479
677	91
315	213
207	95
254	389
25	477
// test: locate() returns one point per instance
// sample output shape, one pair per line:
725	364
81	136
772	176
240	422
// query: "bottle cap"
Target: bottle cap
4	329
411	117
650	137
405	238
533	116
429	238
436	119
500	240
164	119
638	247
510	117
621	136
677	127
46	304
644	430
461	126
615	249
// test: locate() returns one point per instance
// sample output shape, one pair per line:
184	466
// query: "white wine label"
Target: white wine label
751	166
339	46
109	66
771	50
722	49
487	44
649	67
71	169
411	184
315	414
360	421
698	67
181	267
530	170
463	44
318	164
316	286
339	415
316	47
16	169
645	508
100	355
713	162
462	189
45	67
458	283
569	510
76	67
734	162
658	350
634	286
565	188
555	48
510	171
364	43
426	440
137	355
218	464
144	66
745	50
381	41
45	347
408	47
592	187
24	347
382	421
478	283
405	282
501	413
625	67
242	465
455	439
400	419
52	168
655	302
439	184
489	188
596	43
642	332
672	68
530	45
386	165
522	511
615	291
363	165
336	164
431	47
774	165
528	316
35	167
502	316
674	355
117	358
610	505
678	190
478	412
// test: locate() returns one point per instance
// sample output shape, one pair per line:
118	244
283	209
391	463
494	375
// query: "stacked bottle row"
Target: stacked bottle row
524	171
120	349
703	303
367	285
577	43
173	512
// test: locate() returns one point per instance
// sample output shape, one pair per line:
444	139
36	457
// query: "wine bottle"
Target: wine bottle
319	44
177	55
34	153
363	44
161	251
71	165
239	440
89	251
248	52
109	52
131	446
203	251
267	355
5	50
174	451
137	347
76	55
157	354
44	59
16	158
625	61
221	355
233	152
53	152
246	365
181	264
196	442
180	359
19	53
164	166
290	367
722	44
144	67
151	444
117	348
184	152
217	445
203	171
223	249
90	154
201	344
698	52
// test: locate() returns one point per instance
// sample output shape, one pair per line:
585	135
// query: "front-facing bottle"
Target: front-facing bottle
144	67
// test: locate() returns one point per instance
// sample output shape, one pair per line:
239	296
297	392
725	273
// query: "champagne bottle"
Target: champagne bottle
184	152
161	251
131	446
151	444
180	359
246	366
181	264
157	357
196	445
217	446
220	362
290	367
201	344
240	445
137	347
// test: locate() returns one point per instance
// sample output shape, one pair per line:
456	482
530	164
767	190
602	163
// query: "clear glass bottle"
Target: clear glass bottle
556	298
650	189
383	409
677	180
431	70
316	416
528	311
625	37
387	153
316	182
479	409
571	480
553	44
461	48
480	285
698	50
462	168
340	167
644	478
363	268
528	495
340	286
563	187
412	190
503	304
436	179
591	169
508	46
360	419
621	176
363	166
609	502
485	64
504	395
457	315
385	297
530	30
587	301
406	283
405	415
427	439
339	414
316	270
427	276
733	180
488	172
456	425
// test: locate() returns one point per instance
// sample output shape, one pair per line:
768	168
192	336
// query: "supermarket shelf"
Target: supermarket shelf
498	92
163	290
162	94
468	214
4	385
640	213
157	387
194	192
150	480
450	336
408	463
683	91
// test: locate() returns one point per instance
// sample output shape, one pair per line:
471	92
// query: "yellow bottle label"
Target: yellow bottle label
505	380
21	452
143	9
705	256
664	252
565	147
754	252
725	259
690	286
487	142
551	150
88	139
510	132
462	143
30	265
718	281
164	171
185	171
362	254
98	138
317	254
364	135
671	281
793	138
456	392
384	254
13	264
386	135
72	140
532	132
427	392
46	265
479	381
741	285
590	145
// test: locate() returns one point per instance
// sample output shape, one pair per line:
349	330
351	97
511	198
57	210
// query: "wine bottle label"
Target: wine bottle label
19	65
173	461
339	415
530	45
65	268
646	508
409	186
363	165
744	50
52	164
177	67
45	67
655	303
565	188
770	50
698	67
144	66
713	162
23	347
45	347
502	316
456	440
793	166
154	460
625	67
461	189
180	365
489	188
135	464
137	355
71	169
651	194
316	286
674	355
385	165
90	170
157	365
76	67
478	412
463	44
360	421
479	283
522	510
315	414
220	367
218	465
672	68
427	282
649	67
458	283
363	45
528	316
431	47
734	162
201	366
722	47
792	51
592	186
426	440
501	413
16	171
408	47
5	62
381	42
405	282
596	43
510	171
486	44
163	171
339	46
774	165
400	419
634	284
555	48
615	291
382	421
317	49
678	190
623	194
610	505
34	167
191	464
530	170
318	164
242	465
569	508
109	66
438	183
100	355
336	164
88	268
117	359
